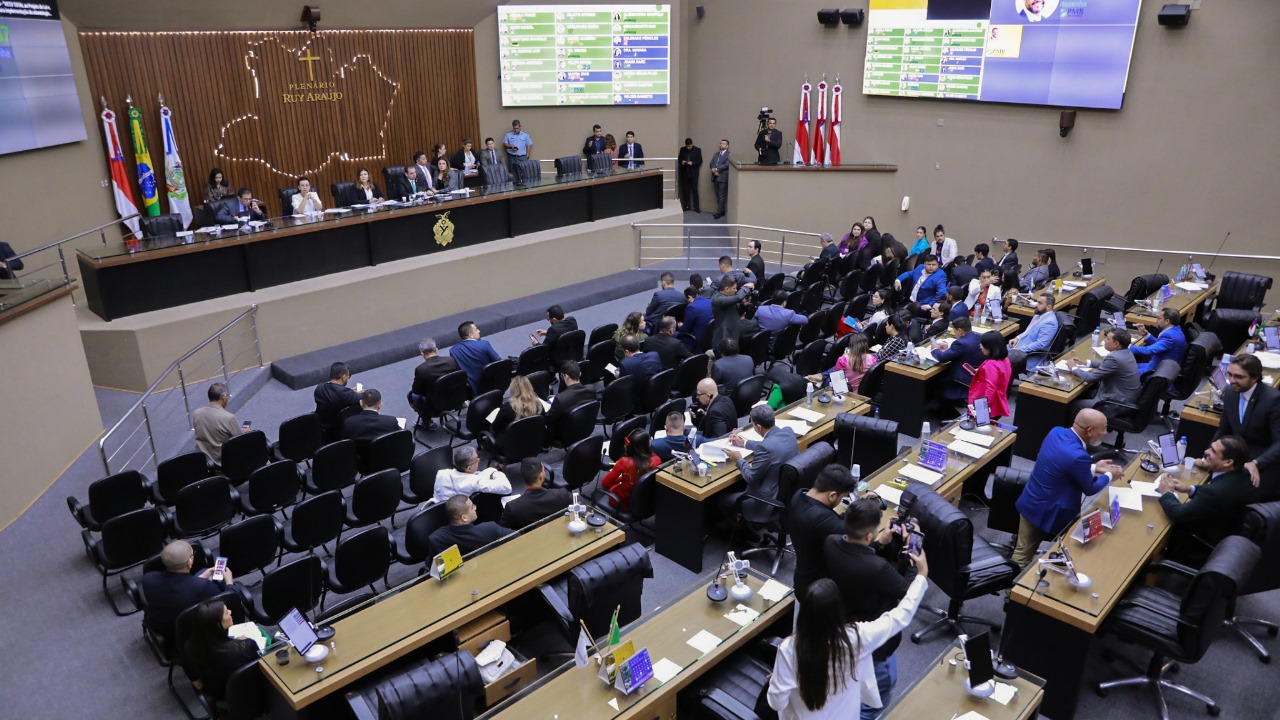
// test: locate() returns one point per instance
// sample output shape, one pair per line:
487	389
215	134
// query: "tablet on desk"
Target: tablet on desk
981	412
1169	451
298	630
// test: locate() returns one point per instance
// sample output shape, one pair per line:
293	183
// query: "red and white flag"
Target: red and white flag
819	136
833	136
802	126
119	178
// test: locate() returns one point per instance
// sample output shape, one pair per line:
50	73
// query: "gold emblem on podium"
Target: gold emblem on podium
443	229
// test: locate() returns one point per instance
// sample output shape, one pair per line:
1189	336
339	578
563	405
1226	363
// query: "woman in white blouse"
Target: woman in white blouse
825	670
306	200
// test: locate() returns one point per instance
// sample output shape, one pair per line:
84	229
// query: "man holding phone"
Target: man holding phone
175	589
214	424
862	562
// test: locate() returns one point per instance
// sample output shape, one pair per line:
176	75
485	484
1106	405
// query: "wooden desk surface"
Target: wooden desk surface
930	368
421	610
1181	300
940	694
1111	561
1068	387
1063	300
959	468
577	693
726	474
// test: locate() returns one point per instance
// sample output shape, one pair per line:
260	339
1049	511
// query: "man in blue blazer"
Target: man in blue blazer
662	301
966	350
1062	476
928	284
1169	344
1036	340
775	446
697	316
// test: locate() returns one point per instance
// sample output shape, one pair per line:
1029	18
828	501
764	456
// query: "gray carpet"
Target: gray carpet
67	656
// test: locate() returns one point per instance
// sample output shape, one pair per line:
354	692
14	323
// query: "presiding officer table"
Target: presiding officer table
1049	629
122	279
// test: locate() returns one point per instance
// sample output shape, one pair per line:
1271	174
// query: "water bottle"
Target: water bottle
808	394
1096	337
1182	448
856	471
910	352
925	431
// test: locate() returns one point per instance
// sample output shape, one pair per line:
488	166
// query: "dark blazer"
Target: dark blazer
533	505
430	370
697	316
1260	430
985	263
566	400
624	157
6	254
366	426
692	154
401	187
1008	262
661	303
1215	508
458	161
670	350
732	369
719	419
965	350
359	198
643	365
330	399
756	266
768	141
592	145
468	538
762	469
724	308
869	584
228	212
169	593
557	329
810	523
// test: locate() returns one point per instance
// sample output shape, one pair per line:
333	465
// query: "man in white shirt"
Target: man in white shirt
466	477
306	202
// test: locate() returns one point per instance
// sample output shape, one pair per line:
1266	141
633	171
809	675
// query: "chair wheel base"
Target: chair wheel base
1213	710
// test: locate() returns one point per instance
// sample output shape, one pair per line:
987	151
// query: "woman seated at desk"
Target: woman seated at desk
991	379
212	654
638	460
306	201
366	191
446	179
216	189
854	363
523	403
466	162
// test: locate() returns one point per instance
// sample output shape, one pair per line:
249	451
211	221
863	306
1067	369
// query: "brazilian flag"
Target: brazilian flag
146	172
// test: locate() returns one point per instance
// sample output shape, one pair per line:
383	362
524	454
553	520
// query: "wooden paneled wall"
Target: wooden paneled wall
270	106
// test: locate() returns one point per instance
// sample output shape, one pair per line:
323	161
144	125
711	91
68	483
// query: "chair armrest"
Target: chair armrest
235	496
90	547
134	592
246	598
563	616
1171	566
200	555
1149	608
771	502
614	502
166	518
77	510
765	649
717	703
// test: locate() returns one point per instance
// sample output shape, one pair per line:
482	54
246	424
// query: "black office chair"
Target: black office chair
412	544
1088	314
161	226
643	502
393	451
525	171
1262	526
374	499
344	607
315	522
600	333
541	382
798	472
1140	288
110	497
961	563
569	346
1181	628
286	200
656	391
1065	336
532	359
359	560
244	453
658	419
577	424
746	393
184	626
784	343
271	488
582	462
617	443
618	401
600	164
868	441
204	506
756	346
445	398
419	485
334	467
1240	298
495	376
568	165
850	285
444	688
250	545
599	357
127	541
809	360
344	193
176	473
300	438
592	591
688	373
1007	485
247	697
495	174
1135	417
871	383
523	438
736	688
295	584
812	330
1201	352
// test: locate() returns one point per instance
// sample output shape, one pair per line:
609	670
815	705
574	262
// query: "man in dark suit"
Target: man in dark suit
720	178
1251	410
1009	260
697	316
490	155
756	264
368	425
408	185
1214	509
731	367
175	589
463	530
964	351
670	350
1116	374
870	584
433	367
662	301
768	141
713	414
9	262
643	365
982	259
558	325
812	518
536	502
775	446
572	394
229	213
631	153
725	308
426	170
594	143
689	161
332	398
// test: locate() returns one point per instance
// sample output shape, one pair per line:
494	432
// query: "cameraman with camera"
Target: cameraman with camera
768	139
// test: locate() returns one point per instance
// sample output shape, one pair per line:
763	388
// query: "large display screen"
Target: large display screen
1072	53
585	54
39	106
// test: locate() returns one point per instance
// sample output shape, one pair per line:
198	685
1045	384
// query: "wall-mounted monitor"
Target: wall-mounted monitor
39	106
1067	53
584	54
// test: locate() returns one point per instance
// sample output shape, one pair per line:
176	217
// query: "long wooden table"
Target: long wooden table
940	693
1048	629
962	473
413	614
680	513
1187	302
125	279
1065	297
573	692
906	383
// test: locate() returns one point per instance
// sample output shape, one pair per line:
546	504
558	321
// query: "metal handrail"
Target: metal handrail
104	226
1117	248
727	226
733	233
177	365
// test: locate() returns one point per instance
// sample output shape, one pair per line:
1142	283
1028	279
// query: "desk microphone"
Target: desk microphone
1001	667
1210	278
1159	265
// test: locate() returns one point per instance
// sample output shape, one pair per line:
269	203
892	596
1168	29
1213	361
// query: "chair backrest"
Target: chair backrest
334	466
689	372
445	688
617	441
161	226
600	163
1066	333
131	538
448	394
541	382
391	177
888	272
532	359
1212	594
612	581
244	453
317	520
809	361
480	408
857	306
286	200
1144	285
834	314
300	437
417	533
599	355
578	423
619	398
362	558
116	495
1007	485
1152	389
948	538
813	329
274	486
203	506
747	393
246	693
568	165
1242	291
869	386
495	174
391	451
375	497
835	350
1261	524
251	544
1200	352
644	497
1089	311
600	333
784	343
423	469
179	471
524	170
343	193
523	438
582	462
496	376
757	346
295	584
657	390
658	419
569	346
868	441
800	472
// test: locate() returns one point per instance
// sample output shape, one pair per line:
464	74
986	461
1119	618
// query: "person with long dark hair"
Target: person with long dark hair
217	188
824	670
637	460
211	654
991	379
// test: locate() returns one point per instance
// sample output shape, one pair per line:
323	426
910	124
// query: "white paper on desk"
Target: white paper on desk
1073	284
714	451
209	230
1130	499
1101	351
973	715
494	415
184	233
704	642
750	434
928	477
742	615
806	414
1191	286
1063	365
258	223
1146	489
1269	360
974	438
335	211
401	422
890	493
773	591
613	703
967	449
247	630
664	670
924	353
1004	693
799	427
875	348
299	215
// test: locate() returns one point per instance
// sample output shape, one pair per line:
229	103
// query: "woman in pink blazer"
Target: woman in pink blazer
991	379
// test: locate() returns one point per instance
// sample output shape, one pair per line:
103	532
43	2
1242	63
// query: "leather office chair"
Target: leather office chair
871	279
961	563
746	393
445	396
271	489
359	560
176	473
300	438
393	451
618	401
1134	418
798	472
600	164
541	382
756	346
591	592
295	584
495	174
374	499
569	346
334	467
1262	526
1200	353
412	544
523	438
688	373
657	390
868	441
1065	336
1141	288
419	485
250	545
835	350
496	376
525	171
1007	485
888	272
618	443
872	381
533	359
568	165
1240	298
658	419
391	178
736	687
445	688
1088	314
204	506
851	285
127	541
575	425
246	693
161	226
477	419
1181	628
599	356
316	521
110	497
344	193
809	360
582	462
600	333
244	453
286	200
643	503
